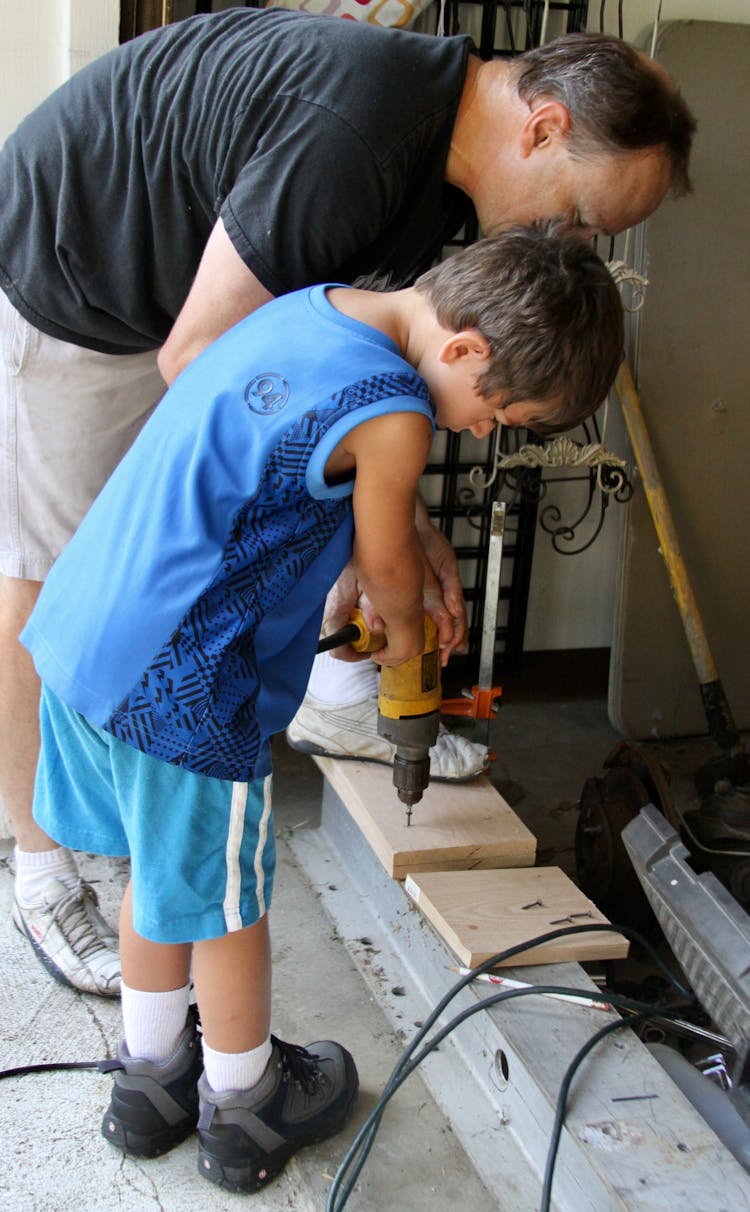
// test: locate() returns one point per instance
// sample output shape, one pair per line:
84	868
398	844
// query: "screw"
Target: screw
533	904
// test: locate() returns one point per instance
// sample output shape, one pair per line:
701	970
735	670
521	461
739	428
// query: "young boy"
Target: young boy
175	634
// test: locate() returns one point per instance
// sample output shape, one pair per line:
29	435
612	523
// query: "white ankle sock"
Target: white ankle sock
342	682
34	868
235	1070
153	1022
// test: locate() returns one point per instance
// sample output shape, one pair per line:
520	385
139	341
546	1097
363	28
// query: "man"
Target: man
181	181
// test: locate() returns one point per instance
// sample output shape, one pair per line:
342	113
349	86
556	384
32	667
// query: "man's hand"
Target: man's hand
443	599
342	599
443	595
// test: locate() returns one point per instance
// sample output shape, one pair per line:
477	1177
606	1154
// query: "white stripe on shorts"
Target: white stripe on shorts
235	833
260	875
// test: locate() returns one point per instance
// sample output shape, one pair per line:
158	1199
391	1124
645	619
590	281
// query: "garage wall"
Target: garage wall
572	598
44	42
694	384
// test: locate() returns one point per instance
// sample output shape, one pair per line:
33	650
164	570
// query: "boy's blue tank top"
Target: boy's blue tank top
184	614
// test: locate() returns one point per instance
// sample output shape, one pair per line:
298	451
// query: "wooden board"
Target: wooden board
454	826
480	913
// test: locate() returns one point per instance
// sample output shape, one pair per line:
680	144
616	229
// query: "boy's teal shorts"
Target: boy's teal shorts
202	850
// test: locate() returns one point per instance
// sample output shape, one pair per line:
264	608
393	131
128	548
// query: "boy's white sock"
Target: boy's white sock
34	869
342	682
153	1022
235	1070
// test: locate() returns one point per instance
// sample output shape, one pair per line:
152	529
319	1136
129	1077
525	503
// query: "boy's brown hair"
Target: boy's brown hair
550	311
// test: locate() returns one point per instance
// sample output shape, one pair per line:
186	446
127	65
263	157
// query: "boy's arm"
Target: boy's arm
390	454
443	596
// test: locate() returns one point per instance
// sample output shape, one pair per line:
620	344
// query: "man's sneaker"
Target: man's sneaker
71	938
247	1136
154	1106
351	731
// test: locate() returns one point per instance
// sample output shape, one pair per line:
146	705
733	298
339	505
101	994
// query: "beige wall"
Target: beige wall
638	15
571	600
44	42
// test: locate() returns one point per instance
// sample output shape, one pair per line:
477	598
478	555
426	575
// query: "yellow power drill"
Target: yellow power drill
408	703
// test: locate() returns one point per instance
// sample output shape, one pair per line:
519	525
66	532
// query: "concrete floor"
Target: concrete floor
54	1156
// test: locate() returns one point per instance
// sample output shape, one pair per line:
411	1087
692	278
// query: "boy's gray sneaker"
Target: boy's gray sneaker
247	1136
154	1106
350	731
71	938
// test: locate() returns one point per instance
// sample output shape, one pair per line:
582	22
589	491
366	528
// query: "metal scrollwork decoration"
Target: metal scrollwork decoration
608	475
520	472
474	509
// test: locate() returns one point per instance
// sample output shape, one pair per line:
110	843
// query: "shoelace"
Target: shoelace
71	916
301	1065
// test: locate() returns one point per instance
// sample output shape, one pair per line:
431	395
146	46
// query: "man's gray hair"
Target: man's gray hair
619	101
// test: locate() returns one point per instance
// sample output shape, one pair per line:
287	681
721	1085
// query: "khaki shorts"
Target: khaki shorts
67	416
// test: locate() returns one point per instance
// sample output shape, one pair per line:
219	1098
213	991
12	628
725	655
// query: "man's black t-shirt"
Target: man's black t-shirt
320	142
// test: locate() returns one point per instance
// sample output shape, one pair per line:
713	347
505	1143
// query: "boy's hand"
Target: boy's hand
389	453
402	643
443	596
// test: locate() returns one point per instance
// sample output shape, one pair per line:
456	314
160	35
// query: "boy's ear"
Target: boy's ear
470	342
544	123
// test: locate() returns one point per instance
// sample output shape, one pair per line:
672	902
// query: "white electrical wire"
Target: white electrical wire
441	20
545	17
655	34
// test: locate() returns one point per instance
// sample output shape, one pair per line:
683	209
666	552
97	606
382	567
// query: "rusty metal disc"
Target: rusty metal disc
605	873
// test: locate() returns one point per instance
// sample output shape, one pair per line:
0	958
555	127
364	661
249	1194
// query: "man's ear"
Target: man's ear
469	343
546	122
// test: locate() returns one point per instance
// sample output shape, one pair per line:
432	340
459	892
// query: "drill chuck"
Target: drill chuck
410	777
413	737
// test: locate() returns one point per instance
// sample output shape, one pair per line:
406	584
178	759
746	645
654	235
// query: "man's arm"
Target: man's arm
224	291
391	452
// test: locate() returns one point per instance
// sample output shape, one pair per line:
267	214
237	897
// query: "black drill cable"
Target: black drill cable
362	1145
360	1148
492	962
570	1072
47	1067
54	1066
345	635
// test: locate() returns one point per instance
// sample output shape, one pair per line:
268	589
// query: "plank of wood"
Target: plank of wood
480	913
454	825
